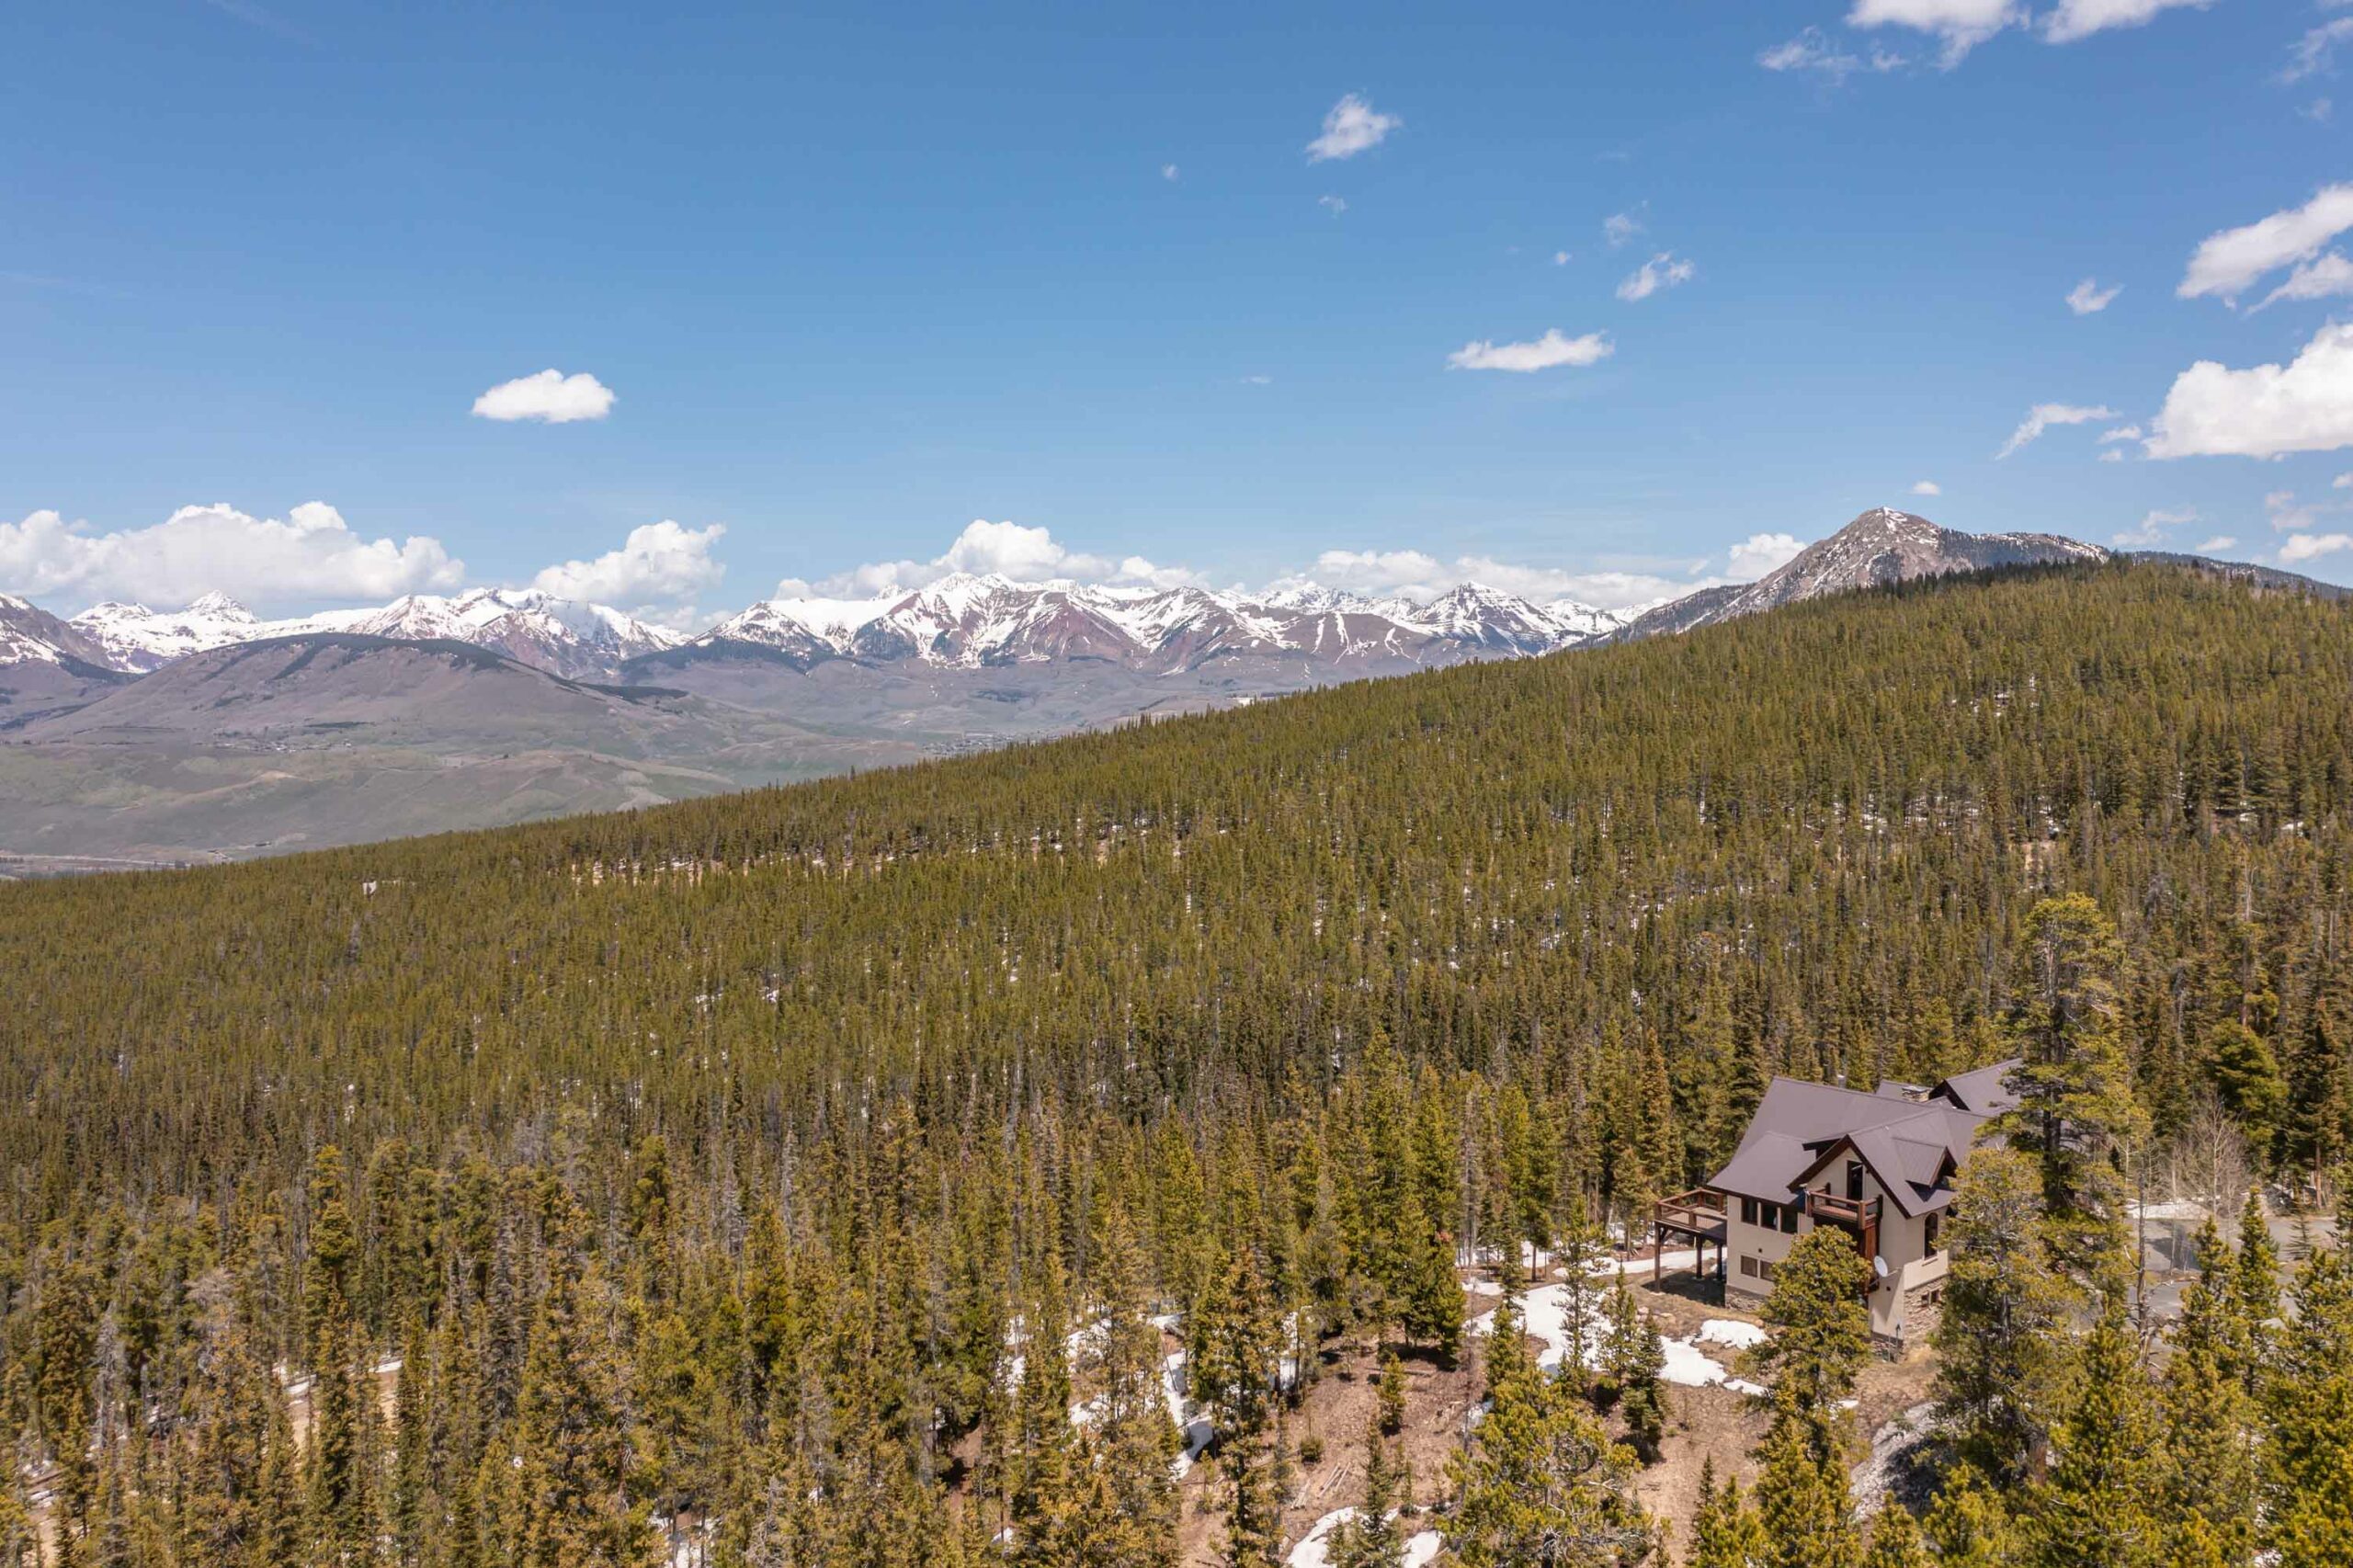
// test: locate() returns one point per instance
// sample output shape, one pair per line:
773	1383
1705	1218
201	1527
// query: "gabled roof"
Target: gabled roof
1984	1090
1911	1144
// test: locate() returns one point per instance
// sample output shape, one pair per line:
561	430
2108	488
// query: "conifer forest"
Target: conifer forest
1137	1149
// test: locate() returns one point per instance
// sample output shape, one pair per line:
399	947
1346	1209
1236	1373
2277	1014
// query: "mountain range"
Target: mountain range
129	733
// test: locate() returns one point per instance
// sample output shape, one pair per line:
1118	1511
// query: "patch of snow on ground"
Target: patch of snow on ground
1730	1331
1313	1551
1545	1311
1689	1365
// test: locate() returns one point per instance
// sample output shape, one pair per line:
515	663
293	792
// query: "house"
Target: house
1879	1166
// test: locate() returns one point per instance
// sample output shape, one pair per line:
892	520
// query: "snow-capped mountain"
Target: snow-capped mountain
969	623
30	635
563	637
138	640
1879	547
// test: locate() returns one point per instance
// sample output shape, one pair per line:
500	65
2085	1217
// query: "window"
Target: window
1748	1211
1748	1266
1855	1180
1789	1219
1764	1270
1929	1230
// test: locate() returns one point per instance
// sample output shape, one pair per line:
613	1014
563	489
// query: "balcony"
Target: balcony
1698	1213
1827	1209
1858	1215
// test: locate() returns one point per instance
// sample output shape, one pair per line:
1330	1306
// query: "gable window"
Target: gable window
1855	1180
1928	1233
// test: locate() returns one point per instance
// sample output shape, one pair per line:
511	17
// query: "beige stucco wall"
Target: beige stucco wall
1910	1266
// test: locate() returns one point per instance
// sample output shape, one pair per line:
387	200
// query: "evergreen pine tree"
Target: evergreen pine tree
1817	1304
1371	1537
1725	1530
2096	1508
1896	1541
1802	1496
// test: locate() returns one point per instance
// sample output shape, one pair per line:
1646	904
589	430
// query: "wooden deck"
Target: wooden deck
1698	1214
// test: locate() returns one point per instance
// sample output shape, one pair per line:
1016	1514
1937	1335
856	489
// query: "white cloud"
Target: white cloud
1417	574
1543	354
1352	126
1621	227
1928	487
1007	550
1559	258
2319	278
311	554
1663	270
2309	547
1962	25
2219	542
2088	298
1959	24
2262	411
1168	171
2151	529
2080	18
1813	51
1759	553
2315	53
2342	482
1257	380
2043	415
1334	205
549	395
660	568
2121	433
2227	263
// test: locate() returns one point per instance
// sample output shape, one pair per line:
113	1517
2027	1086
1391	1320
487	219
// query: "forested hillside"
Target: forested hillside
706	1169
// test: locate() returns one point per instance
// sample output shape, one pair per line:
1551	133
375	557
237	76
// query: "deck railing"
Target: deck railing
1700	1211
1824	1207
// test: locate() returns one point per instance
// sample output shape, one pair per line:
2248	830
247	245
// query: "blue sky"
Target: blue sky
856	278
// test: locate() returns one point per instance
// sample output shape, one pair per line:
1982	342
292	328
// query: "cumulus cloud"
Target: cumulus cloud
2311	546
1812	50
2315	53
2219	542
2264	411
2088	298
1928	487
1759	553
1005	548
1959	25
2319	278
1420	575
2227	263
310	554
1962	25
1350	127
1542	354
1621	227
2151	529
659	569
550	396
2080	18
1661	271
2043	415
